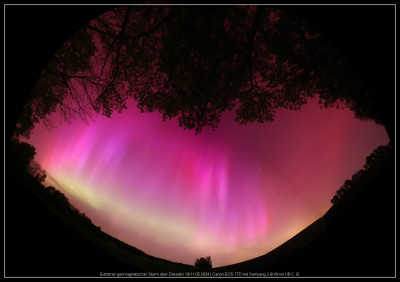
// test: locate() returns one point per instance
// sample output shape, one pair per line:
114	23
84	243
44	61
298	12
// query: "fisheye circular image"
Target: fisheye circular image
202	140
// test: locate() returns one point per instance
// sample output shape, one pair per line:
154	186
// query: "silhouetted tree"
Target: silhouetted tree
51	189
61	200
335	199
203	263
35	170
339	193
373	160
193	63
357	175
347	184
19	155
377	155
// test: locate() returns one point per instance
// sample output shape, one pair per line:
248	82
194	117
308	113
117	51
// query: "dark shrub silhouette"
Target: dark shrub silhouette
203	263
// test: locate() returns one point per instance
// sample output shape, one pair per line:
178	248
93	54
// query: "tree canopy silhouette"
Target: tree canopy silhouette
203	263
372	161
36	171
193	63
20	159
19	156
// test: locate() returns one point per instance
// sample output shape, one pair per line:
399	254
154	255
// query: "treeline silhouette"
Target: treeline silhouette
354	187
20	162
194	63
360	235
355	237
26	172
45	234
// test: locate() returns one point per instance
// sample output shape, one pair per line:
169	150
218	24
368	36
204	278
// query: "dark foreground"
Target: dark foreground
355	241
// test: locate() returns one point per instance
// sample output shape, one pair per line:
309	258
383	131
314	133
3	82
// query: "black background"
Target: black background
365	34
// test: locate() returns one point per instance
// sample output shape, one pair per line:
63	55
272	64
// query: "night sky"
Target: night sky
233	194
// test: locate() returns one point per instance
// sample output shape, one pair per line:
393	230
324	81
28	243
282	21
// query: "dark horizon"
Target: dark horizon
291	254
